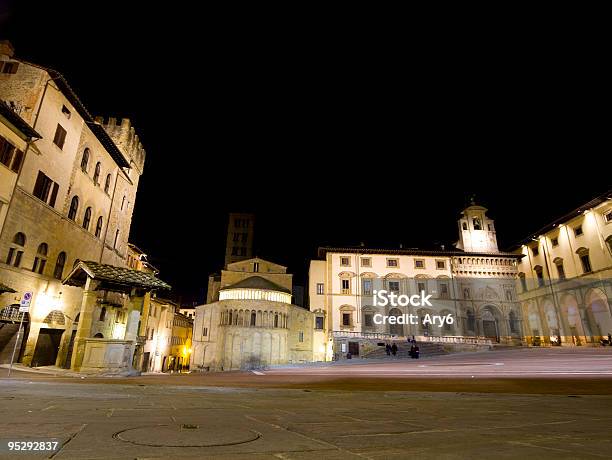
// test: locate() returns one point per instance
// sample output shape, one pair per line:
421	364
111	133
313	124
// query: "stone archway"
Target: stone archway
490	318
598	311
396	329
569	307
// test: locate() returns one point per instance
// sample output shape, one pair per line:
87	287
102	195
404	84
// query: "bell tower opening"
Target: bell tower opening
476	230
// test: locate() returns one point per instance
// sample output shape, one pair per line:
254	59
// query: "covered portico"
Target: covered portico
115	355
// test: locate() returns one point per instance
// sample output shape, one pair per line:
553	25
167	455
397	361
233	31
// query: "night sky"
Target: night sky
330	138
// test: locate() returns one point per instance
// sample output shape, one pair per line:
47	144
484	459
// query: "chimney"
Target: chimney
7	49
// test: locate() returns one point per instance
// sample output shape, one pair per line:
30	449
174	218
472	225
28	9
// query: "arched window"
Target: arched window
96	177
539	275
74	208
107	183
253	319
523	281
102	314
116	239
85	160
41	258
59	266
16	253
87	218
99	227
99	335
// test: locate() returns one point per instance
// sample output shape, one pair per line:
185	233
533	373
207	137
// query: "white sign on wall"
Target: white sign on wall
24	305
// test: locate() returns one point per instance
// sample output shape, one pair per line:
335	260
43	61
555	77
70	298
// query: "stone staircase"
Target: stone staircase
426	349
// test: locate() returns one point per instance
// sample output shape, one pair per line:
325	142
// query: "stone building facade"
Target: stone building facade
73	201
474	284
565	277
253	323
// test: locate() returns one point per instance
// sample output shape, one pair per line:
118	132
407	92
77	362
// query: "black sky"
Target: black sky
330	138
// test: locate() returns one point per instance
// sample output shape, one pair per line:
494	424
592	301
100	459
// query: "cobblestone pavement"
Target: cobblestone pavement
286	414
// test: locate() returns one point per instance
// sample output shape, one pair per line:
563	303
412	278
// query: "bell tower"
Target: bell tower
476	230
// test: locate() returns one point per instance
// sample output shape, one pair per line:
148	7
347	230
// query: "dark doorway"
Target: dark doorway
354	348
69	352
47	346
145	362
490	330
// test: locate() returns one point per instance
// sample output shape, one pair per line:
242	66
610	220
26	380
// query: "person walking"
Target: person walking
416	352
388	349
394	349
411	353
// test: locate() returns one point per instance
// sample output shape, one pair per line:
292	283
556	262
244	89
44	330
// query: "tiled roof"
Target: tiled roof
257	282
5	288
117	275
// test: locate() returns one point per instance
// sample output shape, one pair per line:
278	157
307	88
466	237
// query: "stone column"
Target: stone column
133	326
88	305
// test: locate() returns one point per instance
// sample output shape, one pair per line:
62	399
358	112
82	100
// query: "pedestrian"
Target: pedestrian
416	352
388	349
394	349
411	353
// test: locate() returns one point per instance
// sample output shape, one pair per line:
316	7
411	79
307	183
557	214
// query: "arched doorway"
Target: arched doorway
396	329
569	307
490	326
599	311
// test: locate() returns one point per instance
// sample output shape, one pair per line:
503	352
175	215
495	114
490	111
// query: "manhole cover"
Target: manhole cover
186	435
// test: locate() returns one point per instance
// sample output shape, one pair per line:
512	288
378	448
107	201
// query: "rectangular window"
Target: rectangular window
320	288
42	187
345	261
578	230
236	237
346	286
368	320
586	263
554	241
66	111
366	262
10	67
300	336
60	136
394	286
440	264
535	251
444	291
256	267
346	319
319	322
6	152
419	263
608	216
17	161
421	287
205	332
561	271
392	263
367	286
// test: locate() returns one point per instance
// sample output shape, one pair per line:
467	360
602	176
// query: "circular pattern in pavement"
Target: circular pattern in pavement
186	435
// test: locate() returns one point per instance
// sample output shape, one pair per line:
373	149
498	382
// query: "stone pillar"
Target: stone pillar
134	325
88	305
